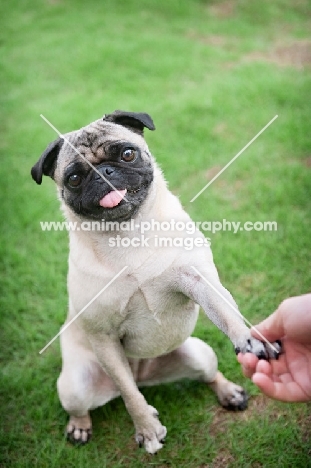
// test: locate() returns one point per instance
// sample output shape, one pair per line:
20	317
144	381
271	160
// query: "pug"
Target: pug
133	305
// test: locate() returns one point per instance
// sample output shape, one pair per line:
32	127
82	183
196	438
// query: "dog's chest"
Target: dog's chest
142	307
157	320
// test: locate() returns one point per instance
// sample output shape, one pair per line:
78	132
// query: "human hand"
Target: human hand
289	377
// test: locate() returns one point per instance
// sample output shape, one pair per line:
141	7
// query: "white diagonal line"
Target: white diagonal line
84	308
235	310
81	155
235	157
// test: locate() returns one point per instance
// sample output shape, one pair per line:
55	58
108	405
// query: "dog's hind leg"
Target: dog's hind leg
82	384
194	360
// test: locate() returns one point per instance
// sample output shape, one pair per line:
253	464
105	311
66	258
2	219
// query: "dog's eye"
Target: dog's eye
74	180
129	154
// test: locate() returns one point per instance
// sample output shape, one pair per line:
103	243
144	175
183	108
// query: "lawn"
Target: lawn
212	75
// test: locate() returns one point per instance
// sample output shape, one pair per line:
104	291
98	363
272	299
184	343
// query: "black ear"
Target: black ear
47	162
135	121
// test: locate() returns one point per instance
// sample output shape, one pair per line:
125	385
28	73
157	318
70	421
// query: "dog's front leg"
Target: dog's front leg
110	354
205	288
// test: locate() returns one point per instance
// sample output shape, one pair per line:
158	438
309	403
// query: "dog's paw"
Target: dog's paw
79	430
150	433
230	395
260	349
234	398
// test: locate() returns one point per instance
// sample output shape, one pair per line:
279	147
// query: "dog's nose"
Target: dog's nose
106	171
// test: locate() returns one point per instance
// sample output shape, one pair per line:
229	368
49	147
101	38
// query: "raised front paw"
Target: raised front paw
150	433
261	350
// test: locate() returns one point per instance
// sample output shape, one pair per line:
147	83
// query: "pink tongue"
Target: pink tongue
112	198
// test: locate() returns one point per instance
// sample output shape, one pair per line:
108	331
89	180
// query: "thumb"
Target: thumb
272	328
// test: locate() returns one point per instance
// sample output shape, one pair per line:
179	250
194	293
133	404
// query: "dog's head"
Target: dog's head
104	170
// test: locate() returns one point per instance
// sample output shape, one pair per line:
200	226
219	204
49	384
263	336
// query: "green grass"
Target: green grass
204	72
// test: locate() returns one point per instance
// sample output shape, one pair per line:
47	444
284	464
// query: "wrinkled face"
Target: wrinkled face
119	181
